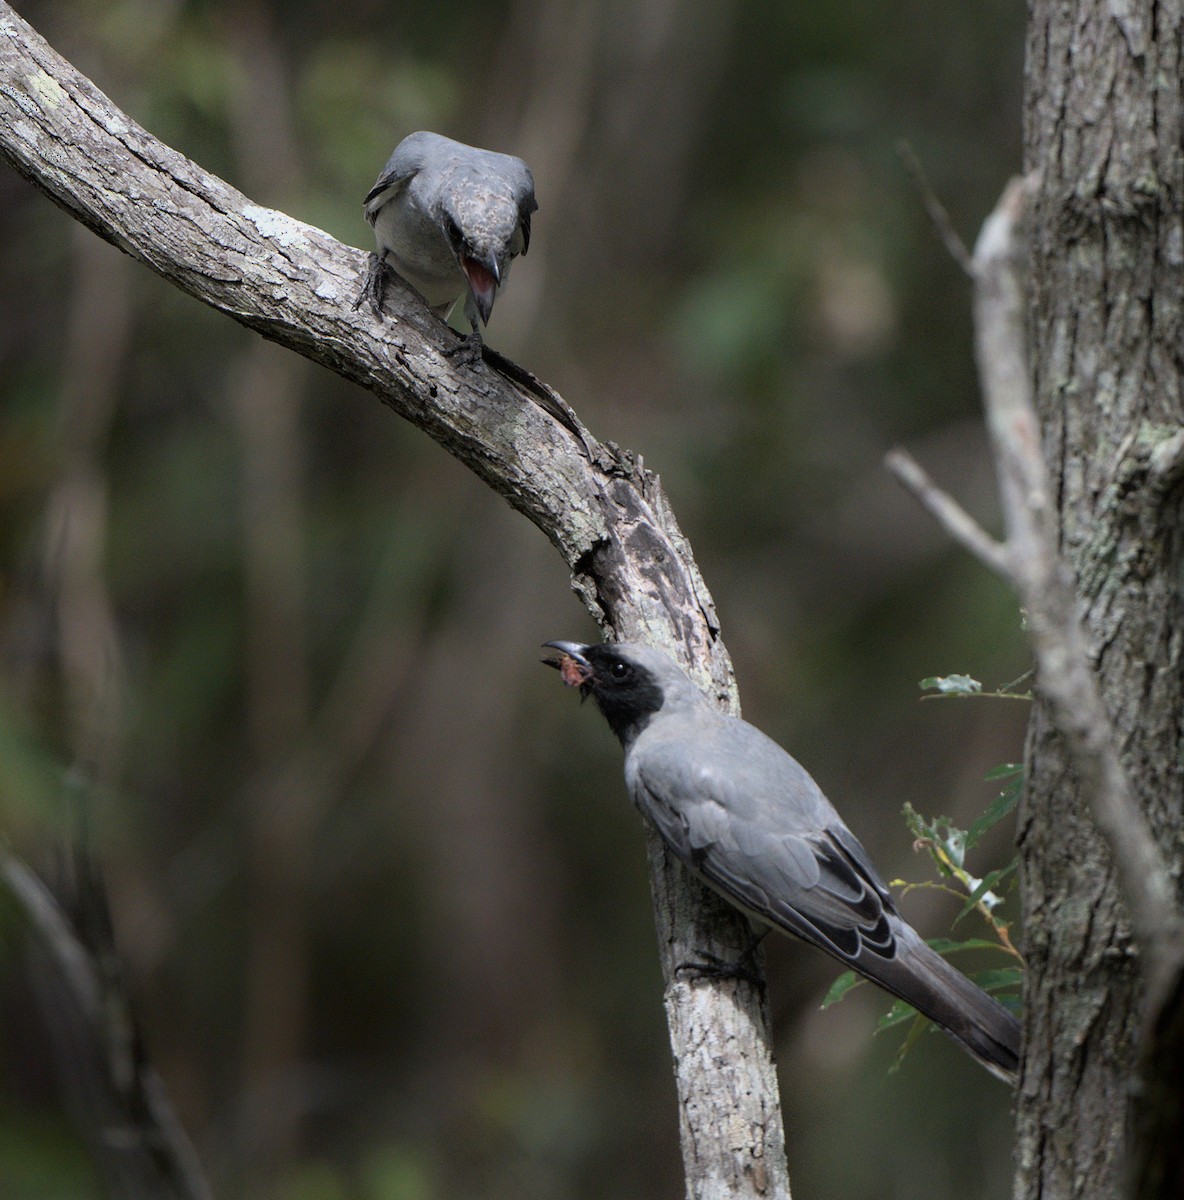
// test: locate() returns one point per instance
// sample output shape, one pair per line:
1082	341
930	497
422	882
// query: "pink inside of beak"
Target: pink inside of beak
573	673
482	284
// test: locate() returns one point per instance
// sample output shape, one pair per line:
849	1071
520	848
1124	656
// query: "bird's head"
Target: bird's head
628	681
485	229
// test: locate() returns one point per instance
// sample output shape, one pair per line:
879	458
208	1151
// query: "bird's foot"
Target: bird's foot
711	966
466	352
374	286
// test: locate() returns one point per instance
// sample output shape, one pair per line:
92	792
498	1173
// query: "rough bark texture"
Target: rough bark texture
1103	135
606	515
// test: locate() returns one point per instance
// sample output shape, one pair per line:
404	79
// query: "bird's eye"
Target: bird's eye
452	229
620	670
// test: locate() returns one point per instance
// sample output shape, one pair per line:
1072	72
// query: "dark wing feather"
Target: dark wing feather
527	204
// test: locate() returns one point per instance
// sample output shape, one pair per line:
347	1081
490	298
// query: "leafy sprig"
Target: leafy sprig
947	846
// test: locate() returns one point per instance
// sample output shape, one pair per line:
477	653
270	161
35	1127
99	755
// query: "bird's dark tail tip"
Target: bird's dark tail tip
1001	1060
974	1019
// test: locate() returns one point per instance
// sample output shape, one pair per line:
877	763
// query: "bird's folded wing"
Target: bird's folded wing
754	839
402	167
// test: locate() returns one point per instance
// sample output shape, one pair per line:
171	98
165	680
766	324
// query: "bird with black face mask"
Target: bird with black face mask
449	218
747	818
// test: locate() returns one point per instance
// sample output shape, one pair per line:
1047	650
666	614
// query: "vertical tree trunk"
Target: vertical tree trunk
1103	134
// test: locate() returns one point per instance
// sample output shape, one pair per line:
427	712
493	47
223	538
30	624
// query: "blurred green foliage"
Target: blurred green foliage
382	905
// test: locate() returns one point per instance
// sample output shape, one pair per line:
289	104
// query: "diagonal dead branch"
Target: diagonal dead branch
605	513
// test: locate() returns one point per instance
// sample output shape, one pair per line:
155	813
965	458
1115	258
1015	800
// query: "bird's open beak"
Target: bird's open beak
573	666
484	276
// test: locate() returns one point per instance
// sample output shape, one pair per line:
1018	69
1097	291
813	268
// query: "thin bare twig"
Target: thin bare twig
950	237
947	512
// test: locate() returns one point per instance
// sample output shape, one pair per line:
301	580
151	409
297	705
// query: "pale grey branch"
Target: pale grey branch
601	509
1031	559
947	512
1046	591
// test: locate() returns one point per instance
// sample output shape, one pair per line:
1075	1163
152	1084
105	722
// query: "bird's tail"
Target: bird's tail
977	1021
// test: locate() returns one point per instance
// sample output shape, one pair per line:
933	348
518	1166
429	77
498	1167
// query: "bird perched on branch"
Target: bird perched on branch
449	218
747	818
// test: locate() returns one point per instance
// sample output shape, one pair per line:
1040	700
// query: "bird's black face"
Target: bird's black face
625	691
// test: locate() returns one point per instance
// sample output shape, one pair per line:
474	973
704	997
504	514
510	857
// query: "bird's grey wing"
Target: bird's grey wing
757	828
403	165
747	817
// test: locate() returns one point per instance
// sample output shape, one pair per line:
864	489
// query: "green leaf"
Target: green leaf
986	885
945	946
1012	1001
920	826
917	824
1004	771
898	1013
919	1026
30	777
840	988
1004	803
999	978
952	685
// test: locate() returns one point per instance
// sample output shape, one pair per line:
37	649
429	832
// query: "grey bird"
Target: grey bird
449	218
747	818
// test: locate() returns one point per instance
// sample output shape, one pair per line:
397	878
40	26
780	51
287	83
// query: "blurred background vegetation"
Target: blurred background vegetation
379	894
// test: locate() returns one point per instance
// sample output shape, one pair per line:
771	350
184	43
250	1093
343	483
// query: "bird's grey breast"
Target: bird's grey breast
410	229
